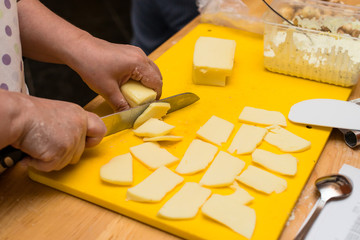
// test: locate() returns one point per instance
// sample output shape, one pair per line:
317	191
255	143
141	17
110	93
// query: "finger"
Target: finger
153	80
117	101
96	130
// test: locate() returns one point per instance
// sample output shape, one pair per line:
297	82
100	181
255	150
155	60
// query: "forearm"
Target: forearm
46	36
12	118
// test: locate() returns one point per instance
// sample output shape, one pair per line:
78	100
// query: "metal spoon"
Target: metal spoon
330	188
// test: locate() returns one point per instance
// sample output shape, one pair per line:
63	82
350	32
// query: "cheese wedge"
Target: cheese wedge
286	141
262	180
247	139
197	157
222	171
152	155
153	128
213	60
136	94
154	187
261	116
186	203
281	163
228	211
118	170
154	110
170	138
216	130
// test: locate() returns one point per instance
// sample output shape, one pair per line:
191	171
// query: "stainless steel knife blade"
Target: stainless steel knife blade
124	120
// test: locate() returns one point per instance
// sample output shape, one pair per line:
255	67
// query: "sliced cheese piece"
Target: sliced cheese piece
286	141
136	94
222	171
281	163
247	139
154	110
152	155
262	180
186	203
197	157
240	195
228	211
262	116
153	128
170	138
118	170
155	186
216	130
213	60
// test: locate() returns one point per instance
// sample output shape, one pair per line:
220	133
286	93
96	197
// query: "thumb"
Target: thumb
96	130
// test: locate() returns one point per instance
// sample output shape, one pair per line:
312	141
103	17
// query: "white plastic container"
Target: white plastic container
325	45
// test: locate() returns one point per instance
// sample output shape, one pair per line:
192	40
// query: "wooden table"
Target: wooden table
29	210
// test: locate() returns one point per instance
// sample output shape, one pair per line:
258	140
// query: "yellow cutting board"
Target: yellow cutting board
249	85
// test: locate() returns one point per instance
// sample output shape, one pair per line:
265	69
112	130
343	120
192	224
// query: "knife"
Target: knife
344	115
114	123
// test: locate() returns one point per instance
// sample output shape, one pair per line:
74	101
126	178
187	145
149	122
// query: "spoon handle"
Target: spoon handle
307	225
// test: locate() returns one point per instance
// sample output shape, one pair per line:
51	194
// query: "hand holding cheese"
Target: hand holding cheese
213	60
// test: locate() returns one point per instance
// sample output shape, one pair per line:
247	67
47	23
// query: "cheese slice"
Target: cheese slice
197	157
155	186
118	170
222	171
281	163
213	60
240	195
216	130
170	138
153	128
262	116
152	155
186	203
262	180
154	110
247	139
228	211
136	94
286	141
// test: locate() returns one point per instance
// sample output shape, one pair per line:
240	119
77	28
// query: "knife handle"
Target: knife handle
9	156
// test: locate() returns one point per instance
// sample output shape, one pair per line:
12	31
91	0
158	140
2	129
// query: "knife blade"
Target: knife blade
327	113
114	123
124	120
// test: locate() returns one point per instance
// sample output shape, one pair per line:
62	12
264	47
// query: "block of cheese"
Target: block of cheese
153	127
197	157
118	170
247	139
152	155
213	60
222	171
286	141
262	116
262	180
216	130
228	211
281	163
154	110
170	138
136	94
186	203
155	186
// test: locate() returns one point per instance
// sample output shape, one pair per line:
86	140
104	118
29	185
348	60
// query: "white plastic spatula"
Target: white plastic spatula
326	112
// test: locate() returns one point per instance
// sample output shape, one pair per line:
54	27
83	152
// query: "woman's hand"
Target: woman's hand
106	66
53	133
